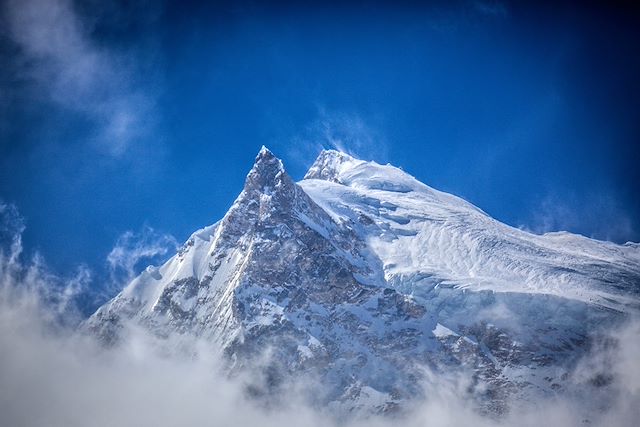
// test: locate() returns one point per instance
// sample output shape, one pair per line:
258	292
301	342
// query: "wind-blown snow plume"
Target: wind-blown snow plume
343	131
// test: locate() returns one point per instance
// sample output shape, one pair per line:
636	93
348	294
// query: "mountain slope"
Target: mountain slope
420	231
361	276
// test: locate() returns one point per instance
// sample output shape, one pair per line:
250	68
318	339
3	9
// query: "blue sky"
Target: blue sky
145	118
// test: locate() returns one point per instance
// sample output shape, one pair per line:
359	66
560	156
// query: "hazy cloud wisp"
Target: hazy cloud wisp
599	212
132	248
59	56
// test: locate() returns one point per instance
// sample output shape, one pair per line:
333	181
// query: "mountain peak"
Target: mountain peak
319	279
328	165
267	173
264	153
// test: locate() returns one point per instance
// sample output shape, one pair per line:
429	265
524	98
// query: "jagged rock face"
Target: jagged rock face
361	276
327	166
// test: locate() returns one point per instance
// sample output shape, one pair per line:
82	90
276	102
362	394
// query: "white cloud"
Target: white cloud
11	228
132	248
59	56
32	281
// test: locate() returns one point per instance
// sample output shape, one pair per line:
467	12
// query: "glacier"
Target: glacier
367	280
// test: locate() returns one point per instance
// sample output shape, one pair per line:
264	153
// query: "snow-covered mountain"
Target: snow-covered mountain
364	277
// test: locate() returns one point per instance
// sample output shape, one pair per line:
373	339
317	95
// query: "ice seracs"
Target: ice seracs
364	277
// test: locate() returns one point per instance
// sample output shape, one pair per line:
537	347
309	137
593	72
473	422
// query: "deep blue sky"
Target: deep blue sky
113	117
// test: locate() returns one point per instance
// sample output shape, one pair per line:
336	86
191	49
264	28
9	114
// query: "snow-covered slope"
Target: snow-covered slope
362	276
421	233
